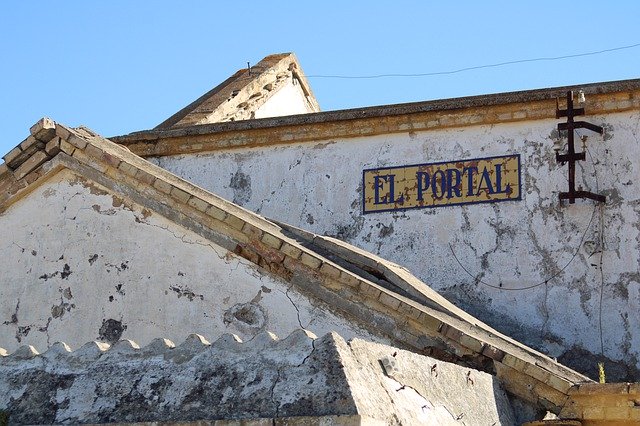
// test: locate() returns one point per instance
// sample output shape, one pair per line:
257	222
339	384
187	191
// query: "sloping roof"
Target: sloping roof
379	295
298	376
239	96
604	98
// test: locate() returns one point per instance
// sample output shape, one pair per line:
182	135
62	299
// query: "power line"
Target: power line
546	281
499	64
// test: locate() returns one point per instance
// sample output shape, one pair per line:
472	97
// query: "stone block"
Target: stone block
159	184
93	151
430	323
493	353
214	212
330	270
66	147
290	250
44	129
409	310
28	143
537	372
33	176
471	342
451	333
349	279
514	362
310	261
111	160
550	398
147	178
80	155
272	241
76	141
617	413
571	410
13	157
331	283
388	300
180	195
52	147
63	131
198	204
32	162
250	255
234	221
368	290
291	264
559	383
516	382
602	389
593	413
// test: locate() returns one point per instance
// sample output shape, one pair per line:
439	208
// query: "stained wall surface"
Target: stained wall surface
82	264
296	380
533	268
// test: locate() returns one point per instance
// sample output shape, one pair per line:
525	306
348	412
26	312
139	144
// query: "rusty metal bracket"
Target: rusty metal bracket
572	156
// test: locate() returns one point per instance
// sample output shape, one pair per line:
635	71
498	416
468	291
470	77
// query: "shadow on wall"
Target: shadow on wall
574	357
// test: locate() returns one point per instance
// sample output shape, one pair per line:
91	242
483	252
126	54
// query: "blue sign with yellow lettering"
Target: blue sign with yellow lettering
480	180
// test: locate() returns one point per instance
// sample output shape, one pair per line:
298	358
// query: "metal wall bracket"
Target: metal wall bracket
572	156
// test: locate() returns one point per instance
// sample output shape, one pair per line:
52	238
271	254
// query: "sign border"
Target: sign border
442	205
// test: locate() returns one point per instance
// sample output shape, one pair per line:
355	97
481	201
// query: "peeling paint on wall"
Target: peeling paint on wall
73	273
555	250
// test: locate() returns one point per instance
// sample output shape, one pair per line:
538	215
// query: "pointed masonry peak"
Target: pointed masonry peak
275	86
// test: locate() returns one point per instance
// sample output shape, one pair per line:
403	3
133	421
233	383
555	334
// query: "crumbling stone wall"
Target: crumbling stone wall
265	378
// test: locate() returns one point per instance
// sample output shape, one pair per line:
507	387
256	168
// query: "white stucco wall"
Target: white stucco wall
509	245
81	264
288	100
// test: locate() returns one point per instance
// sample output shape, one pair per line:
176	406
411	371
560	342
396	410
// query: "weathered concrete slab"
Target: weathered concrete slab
300	378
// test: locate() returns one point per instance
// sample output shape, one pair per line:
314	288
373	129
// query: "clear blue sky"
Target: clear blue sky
121	66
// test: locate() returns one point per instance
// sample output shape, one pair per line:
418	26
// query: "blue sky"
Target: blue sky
122	66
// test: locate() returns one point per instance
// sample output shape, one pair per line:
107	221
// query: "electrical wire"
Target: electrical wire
477	67
499	287
601	256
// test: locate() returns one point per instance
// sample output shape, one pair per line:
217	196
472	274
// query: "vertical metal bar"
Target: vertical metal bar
572	162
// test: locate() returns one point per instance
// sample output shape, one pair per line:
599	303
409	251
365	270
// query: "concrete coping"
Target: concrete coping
127	349
452	104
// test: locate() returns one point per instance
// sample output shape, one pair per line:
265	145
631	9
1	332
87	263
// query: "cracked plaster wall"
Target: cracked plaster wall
516	244
81	264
